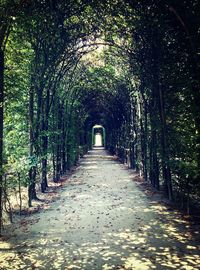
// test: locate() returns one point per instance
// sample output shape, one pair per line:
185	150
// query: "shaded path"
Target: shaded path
102	221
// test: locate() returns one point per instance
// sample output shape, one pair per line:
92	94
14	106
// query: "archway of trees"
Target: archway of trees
131	66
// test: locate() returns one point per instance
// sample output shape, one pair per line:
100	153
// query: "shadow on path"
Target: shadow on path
102	220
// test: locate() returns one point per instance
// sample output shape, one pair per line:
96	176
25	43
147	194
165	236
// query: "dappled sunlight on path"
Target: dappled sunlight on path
102	220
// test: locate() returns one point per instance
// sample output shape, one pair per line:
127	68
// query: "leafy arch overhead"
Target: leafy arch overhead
131	66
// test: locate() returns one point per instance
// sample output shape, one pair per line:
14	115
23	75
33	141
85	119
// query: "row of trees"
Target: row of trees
130	66
42	115
163	125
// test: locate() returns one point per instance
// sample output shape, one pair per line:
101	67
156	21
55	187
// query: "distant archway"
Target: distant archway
98	136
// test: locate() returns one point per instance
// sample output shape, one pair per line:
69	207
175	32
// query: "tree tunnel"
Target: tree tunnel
70	65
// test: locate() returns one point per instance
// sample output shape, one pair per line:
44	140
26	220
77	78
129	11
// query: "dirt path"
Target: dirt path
102	220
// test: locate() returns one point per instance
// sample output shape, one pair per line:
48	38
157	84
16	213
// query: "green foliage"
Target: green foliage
17	81
127	65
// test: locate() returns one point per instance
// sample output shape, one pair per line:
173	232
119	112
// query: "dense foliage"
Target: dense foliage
130	66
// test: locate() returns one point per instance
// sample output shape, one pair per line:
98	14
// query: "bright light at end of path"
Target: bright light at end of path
98	140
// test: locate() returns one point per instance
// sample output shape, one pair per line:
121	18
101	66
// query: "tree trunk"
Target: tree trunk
64	162
132	133
44	184
165	152
54	165
63	144
58	147
32	172
58	163
143	127
1	134
20	192
154	110
154	168
45	127
31	189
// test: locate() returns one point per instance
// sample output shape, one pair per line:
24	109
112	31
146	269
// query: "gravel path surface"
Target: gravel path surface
102	220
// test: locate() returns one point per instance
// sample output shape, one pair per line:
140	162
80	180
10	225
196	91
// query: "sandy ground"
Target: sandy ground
102	220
